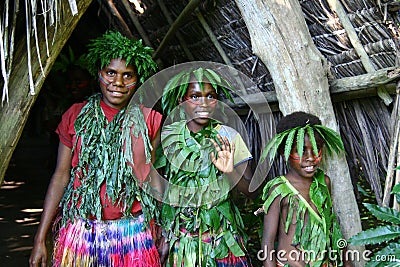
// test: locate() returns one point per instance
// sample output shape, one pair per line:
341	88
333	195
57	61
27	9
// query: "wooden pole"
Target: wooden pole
392	152
13	116
121	21
190	7
181	40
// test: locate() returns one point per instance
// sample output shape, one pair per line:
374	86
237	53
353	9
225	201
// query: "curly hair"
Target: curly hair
296	119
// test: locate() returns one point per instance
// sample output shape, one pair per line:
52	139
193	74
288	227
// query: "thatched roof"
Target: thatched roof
359	39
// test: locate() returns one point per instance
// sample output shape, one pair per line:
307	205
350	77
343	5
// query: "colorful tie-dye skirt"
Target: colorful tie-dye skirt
116	243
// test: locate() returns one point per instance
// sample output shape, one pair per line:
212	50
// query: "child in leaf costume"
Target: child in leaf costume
104	158
298	206
203	160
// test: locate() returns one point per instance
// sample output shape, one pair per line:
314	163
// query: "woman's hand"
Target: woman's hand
39	255
225	152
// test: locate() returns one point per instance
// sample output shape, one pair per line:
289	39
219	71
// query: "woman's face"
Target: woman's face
199	105
117	83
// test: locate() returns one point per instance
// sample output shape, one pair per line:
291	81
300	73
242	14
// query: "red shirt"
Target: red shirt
67	136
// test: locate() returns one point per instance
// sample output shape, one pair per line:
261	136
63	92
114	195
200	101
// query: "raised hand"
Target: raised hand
225	152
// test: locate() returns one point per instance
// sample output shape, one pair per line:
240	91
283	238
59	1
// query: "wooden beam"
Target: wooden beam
190	7
342	89
14	114
369	80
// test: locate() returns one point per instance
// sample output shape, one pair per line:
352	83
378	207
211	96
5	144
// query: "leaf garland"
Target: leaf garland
112	45
102	159
332	141
317	232
198	198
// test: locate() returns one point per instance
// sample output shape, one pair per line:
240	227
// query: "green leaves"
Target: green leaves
313	231
383	213
376	235
198	198
285	140
103	158
112	45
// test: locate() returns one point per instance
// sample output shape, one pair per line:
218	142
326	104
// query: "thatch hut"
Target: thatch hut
355	42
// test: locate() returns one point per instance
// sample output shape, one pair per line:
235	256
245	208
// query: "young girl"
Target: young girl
204	160
103	221
298	206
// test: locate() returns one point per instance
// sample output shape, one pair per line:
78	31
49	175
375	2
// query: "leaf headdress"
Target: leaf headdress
286	139
176	87
113	45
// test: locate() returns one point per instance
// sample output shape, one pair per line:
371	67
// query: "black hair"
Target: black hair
296	119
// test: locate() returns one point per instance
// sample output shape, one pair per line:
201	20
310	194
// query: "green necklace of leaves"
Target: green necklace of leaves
102	159
198	197
316	232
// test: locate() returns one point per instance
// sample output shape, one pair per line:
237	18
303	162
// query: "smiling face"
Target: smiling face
117	83
199	105
306	166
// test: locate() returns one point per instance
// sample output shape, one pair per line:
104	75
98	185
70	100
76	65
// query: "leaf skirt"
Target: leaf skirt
184	253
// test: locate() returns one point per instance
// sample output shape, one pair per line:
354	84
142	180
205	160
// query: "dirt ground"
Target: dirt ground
21	198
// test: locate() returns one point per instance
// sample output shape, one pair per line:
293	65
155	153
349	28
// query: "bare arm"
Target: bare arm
157	182
55	191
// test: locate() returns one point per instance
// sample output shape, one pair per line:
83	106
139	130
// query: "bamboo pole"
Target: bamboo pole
397	180
190	7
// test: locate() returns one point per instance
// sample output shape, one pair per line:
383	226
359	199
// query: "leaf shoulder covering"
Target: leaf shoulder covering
199	216
316	232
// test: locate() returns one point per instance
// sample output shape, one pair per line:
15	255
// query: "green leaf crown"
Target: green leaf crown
177	86
112	45
285	141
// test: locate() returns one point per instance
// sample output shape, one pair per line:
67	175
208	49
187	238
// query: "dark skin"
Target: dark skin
116	94
300	175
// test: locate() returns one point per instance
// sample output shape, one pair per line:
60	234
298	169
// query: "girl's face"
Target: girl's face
117	83
199	105
306	166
